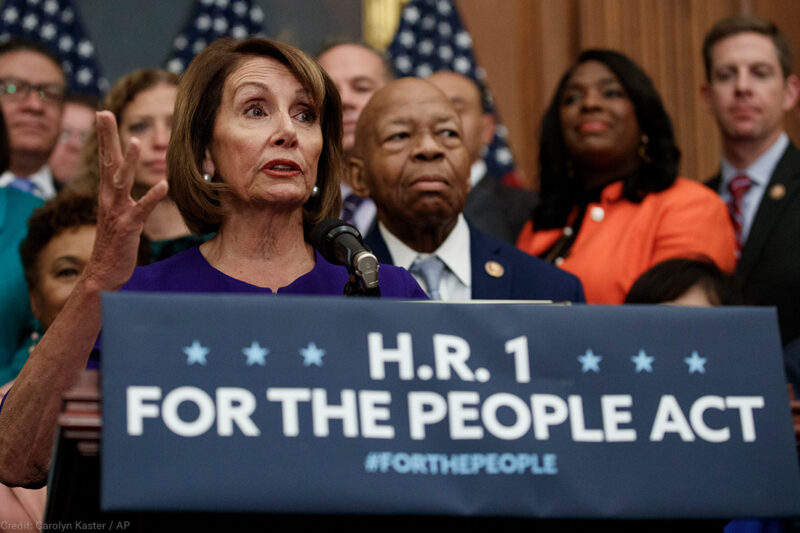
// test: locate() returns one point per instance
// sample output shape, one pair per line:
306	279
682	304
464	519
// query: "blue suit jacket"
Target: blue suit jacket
523	277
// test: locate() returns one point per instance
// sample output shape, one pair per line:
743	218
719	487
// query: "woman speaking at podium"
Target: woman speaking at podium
255	156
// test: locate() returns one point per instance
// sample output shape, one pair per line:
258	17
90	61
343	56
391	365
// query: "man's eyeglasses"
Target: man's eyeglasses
67	135
17	89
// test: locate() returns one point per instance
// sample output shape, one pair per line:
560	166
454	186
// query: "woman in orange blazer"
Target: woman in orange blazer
612	204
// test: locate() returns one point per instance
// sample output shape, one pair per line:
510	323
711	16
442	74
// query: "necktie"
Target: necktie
25	185
738	187
430	269
350	205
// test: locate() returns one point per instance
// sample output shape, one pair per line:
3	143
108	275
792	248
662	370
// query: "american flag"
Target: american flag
210	20
56	24
430	38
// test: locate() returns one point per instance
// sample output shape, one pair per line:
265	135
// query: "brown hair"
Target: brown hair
67	210
199	97
670	279
123	92
747	24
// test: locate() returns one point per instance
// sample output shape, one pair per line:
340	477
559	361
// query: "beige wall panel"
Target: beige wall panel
786	13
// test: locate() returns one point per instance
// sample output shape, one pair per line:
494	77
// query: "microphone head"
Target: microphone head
325	234
340	244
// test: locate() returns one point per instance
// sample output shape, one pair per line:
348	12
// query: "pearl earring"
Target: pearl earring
315	191
206	176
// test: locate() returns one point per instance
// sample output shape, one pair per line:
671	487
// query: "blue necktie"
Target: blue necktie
350	205
430	269
25	185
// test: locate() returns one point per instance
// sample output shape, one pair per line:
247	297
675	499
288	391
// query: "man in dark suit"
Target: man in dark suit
410	158
492	206
357	71
749	88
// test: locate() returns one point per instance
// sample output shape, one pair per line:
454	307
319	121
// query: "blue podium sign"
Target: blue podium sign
331	405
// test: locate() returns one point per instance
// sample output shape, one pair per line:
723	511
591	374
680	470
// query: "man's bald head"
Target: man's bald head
466	96
357	71
409	156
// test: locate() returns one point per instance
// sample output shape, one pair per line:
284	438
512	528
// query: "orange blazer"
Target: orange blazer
618	240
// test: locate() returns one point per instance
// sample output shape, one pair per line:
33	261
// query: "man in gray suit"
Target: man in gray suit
749	88
493	207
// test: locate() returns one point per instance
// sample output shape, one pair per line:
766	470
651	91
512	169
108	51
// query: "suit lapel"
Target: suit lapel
374	240
483	253
787	175
714	182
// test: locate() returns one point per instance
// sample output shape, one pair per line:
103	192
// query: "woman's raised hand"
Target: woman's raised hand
120	218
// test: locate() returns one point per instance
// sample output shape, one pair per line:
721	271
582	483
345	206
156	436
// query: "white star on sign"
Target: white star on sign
196	353
696	363
643	362
590	361
312	355
256	355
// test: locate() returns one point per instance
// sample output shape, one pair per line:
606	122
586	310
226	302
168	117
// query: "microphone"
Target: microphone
340	243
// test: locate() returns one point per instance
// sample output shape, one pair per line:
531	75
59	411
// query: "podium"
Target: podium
478	428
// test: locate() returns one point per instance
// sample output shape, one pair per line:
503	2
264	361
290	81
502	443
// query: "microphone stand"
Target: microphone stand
355	287
362	276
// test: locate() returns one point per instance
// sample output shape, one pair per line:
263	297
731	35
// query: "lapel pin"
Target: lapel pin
494	269
776	192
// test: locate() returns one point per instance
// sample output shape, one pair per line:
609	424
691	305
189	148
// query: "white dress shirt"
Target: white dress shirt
43	179
759	173
477	172
456	282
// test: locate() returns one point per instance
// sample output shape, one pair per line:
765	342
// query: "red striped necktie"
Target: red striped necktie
738	187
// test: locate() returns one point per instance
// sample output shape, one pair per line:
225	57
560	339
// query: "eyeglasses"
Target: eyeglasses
17	89
67	134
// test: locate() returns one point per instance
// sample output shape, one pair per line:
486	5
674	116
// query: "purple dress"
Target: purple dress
188	271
